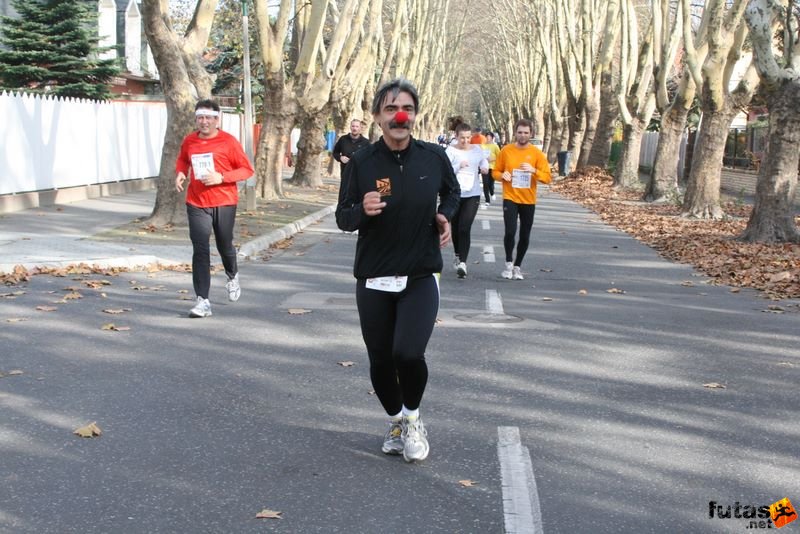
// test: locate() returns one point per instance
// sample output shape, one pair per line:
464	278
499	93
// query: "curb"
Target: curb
254	246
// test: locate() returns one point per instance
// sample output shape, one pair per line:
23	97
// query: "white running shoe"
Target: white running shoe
415	440
393	439
234	289
462	270
517	274
201	309
493	197
456	263
508	272
485	205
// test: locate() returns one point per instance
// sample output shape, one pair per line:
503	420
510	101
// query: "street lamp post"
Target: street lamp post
250	185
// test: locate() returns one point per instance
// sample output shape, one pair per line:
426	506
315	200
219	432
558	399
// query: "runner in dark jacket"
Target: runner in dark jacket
389	193
349	144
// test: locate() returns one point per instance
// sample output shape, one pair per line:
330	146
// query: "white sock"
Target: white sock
397	417
410	413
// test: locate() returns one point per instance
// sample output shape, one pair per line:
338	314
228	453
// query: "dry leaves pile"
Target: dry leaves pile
21	274
711	246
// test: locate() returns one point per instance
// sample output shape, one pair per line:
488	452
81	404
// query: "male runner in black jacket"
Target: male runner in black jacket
347	145
389	193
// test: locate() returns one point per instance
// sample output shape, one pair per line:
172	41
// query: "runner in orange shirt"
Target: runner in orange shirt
519	167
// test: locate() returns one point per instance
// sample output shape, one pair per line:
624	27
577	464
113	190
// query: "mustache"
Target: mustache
393	124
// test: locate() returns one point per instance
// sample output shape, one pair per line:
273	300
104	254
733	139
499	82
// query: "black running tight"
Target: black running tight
201	222
396	328
488	186
511	211
462	226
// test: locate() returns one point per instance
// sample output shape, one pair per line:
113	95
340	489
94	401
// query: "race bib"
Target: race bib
466	179
390	284
520	179
202	164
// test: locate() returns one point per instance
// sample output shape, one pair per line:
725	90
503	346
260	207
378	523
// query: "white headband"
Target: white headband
202	112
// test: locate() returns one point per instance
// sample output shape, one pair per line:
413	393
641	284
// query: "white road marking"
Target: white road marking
521	509
494	304
485	224
488	254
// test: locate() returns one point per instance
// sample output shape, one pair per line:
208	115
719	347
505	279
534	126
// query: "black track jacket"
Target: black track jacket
345	146
404	239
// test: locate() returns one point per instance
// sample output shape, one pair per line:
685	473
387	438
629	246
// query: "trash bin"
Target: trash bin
563	162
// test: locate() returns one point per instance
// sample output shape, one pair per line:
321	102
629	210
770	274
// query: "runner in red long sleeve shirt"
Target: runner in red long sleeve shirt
214	161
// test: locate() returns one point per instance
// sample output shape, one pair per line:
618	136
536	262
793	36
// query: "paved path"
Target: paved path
572	408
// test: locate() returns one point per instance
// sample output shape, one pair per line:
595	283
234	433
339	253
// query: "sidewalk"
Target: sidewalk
108	232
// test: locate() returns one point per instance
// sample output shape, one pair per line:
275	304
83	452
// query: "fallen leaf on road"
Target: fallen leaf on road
299	253
268	514
714	385
687	283
346	363
113	311
615	290
88	431
183	291
15	372
774	309
546	270
112	326
735	290
467	483
786	364
46	308
96	284
298	311
16	319
547	299
73	296
371	392
583	292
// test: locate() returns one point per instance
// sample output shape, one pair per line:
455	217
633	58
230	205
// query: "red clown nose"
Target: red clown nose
401	117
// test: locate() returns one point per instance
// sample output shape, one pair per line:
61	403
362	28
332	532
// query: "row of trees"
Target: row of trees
578	68
316	60
583	65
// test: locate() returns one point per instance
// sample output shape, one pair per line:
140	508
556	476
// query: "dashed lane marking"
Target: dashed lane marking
494	304
488	254
521	509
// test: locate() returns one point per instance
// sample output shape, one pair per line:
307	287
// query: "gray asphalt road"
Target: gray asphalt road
207	422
